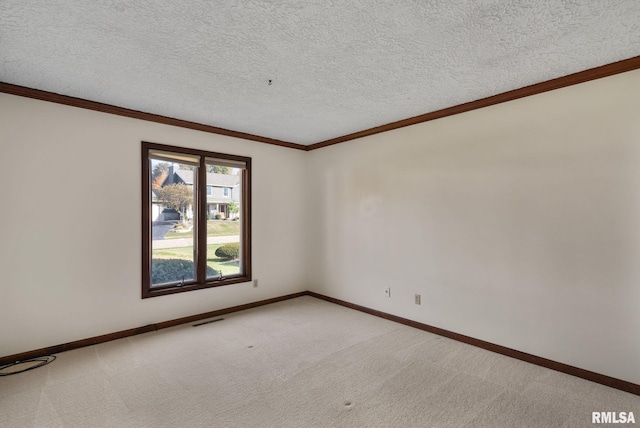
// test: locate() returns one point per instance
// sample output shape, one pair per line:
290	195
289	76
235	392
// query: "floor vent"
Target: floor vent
207	322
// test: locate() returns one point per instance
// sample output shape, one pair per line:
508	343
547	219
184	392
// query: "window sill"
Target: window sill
172	289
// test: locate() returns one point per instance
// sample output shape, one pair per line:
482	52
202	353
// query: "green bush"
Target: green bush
218	216
171	270
228	251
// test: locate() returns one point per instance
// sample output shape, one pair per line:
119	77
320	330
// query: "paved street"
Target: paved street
187	242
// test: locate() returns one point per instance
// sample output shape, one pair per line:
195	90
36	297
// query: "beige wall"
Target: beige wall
518	224
70	224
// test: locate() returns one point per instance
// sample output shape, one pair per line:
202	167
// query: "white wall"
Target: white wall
518	224
70	224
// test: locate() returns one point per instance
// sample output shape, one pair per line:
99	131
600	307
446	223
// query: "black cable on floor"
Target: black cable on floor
40	361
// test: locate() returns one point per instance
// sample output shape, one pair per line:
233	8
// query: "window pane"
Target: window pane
196	209
224	220
172	221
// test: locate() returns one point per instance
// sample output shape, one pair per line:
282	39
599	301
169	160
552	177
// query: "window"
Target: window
226	191
184	247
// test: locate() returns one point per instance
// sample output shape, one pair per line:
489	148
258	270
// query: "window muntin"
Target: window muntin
179	244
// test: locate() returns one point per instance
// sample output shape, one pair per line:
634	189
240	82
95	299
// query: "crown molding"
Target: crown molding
38	94
538	88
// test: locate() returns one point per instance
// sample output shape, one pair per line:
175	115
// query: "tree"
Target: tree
218	169
159	174
177	196
233	208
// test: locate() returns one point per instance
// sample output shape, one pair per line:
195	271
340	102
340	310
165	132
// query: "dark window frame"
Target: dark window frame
201	282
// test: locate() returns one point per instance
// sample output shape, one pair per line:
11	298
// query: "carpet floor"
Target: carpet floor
298	363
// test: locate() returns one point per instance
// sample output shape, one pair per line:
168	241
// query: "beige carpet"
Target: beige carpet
299	363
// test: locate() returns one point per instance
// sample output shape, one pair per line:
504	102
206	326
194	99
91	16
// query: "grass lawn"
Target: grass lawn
214	228
186	253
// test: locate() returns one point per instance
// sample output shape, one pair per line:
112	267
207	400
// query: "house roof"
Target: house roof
305	72
220	200
210	198
213	179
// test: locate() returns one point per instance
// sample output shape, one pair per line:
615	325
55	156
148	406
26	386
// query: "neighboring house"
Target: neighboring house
222	189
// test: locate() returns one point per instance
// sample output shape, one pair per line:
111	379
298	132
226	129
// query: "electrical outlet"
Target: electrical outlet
387	291
255	283
418	299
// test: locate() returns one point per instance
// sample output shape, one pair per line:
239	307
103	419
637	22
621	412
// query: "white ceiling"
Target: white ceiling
337	67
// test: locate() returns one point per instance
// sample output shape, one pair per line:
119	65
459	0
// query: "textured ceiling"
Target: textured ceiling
336	67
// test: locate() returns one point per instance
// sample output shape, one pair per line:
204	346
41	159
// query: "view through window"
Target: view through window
196	219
